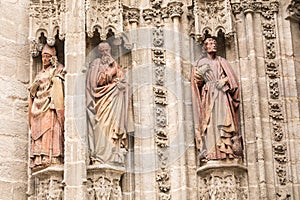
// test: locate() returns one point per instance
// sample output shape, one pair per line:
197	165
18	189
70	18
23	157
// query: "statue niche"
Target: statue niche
215	93
109	110
46	110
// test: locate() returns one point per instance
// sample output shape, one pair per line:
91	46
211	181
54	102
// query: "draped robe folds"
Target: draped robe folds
46	116
109	112
216	110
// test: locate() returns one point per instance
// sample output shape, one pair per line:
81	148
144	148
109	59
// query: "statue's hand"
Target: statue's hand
111	71
102	79
121	84
221	83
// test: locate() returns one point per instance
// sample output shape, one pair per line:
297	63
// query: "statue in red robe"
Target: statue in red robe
215	93
46	112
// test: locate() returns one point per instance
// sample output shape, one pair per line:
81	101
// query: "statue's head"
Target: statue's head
104	53
104	49
210	45
47	53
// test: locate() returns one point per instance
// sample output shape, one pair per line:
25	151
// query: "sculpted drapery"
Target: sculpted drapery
215	93
46	112
109	111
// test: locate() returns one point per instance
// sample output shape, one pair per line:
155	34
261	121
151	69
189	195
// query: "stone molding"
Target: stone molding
266	8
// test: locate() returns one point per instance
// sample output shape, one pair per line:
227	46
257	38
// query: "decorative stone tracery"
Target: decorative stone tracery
211	17
104	16
47	18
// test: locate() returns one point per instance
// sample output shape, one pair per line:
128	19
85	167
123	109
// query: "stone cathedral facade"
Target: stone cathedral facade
156	43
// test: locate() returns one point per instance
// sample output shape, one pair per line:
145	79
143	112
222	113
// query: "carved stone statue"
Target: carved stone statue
109	110
215	92
46	112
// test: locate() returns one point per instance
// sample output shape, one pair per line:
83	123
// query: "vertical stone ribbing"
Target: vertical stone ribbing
75	131
288	22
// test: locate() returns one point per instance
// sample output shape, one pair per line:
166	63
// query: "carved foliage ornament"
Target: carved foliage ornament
160	100
158	13
175	9
161	138
49	188
133	15
213	16
267	9
269	30
130	15
270	45
163	181
158	37
222	186
103	187
160	96
158	57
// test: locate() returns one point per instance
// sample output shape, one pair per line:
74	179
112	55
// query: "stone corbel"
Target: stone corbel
133	15
147	15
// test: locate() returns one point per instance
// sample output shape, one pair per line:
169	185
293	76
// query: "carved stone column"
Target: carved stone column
75	126
222	180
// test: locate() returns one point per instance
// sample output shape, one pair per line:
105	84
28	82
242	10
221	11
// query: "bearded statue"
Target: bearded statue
109	112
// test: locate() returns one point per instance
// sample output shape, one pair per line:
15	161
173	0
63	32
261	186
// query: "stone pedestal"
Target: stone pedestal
48	183
103	182
222	180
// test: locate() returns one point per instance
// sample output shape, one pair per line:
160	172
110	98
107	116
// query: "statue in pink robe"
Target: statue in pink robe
46	112
215	93
109	111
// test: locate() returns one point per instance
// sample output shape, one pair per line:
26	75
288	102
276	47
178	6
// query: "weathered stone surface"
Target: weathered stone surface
247	53
14	70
